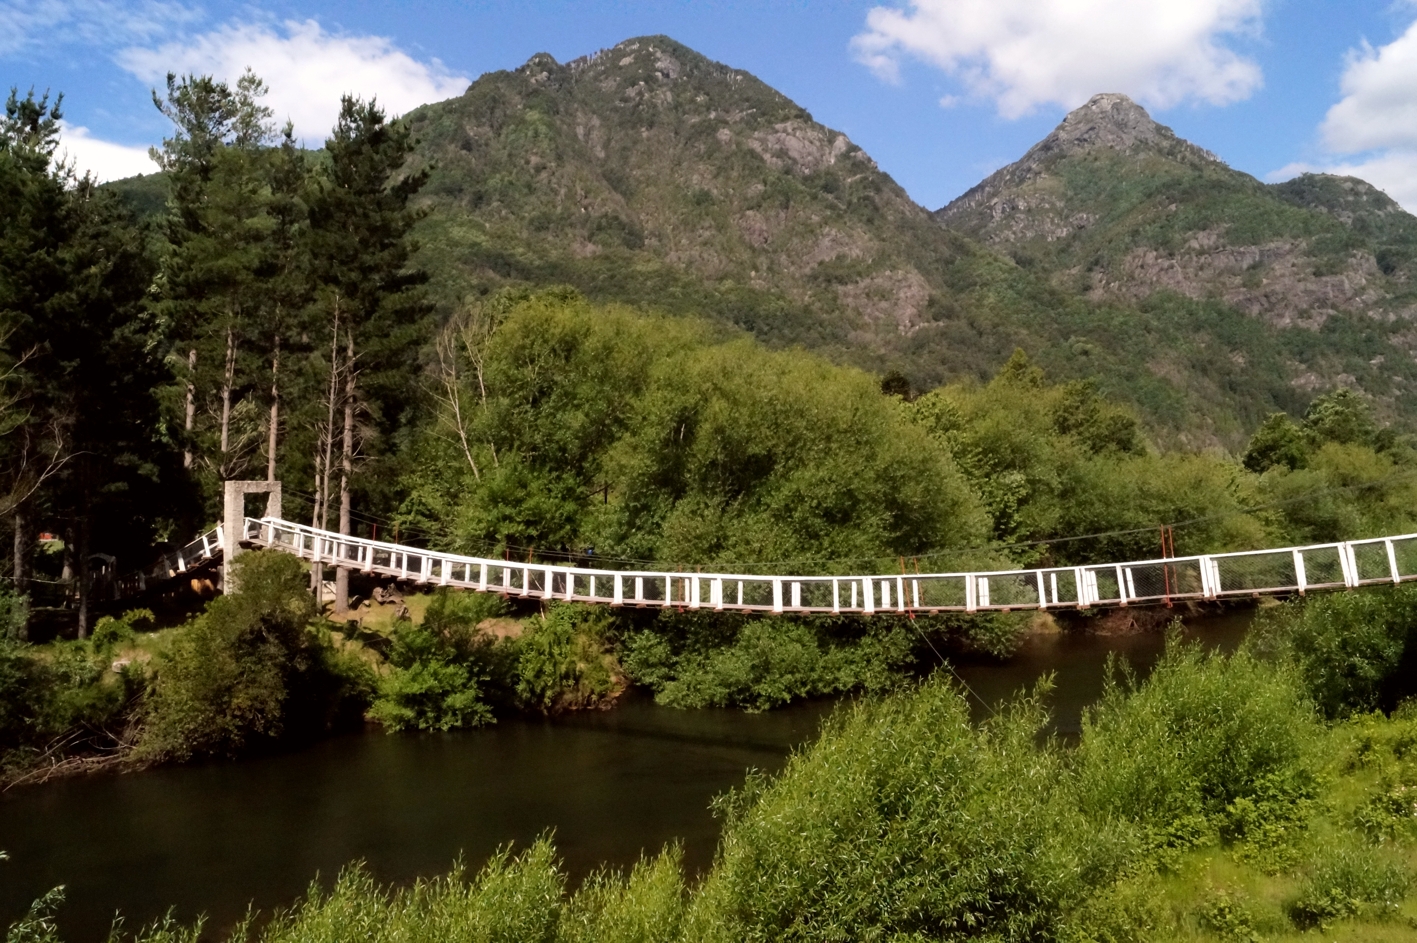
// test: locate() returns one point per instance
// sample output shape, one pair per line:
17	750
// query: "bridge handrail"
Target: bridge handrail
1205	576
203	549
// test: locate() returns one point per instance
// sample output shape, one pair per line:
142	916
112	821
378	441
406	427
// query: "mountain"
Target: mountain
1118	207
649	175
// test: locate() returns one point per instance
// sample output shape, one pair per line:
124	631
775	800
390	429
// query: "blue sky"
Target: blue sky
939	92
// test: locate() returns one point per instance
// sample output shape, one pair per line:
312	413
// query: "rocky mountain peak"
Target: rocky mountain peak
1110	121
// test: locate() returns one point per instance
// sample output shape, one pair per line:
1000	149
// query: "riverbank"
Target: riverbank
1210	801
609	784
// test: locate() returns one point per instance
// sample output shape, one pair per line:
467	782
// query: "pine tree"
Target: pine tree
80	448
369	296
214	280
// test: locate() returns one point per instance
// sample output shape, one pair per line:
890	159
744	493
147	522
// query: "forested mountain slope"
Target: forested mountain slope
1116	206
650	175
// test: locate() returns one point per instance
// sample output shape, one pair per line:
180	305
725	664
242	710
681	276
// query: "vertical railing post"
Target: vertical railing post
971	594
1042	594
868	596
619	598
1301	578
1345	559
1392	561
776	595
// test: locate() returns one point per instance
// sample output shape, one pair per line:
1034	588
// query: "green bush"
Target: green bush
439	671
562	659
1351	650
1207	747
511	900
25	690
250	670
110	632
1349	880
644	907
769	662
14	613
904	821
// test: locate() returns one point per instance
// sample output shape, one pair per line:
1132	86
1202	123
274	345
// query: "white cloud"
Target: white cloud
306	68
35	23
104	159
1371	133
1026	53
1379	104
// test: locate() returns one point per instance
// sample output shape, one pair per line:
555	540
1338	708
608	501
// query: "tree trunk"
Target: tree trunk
22	569
273	435
325	456
191	406
83	571
228	380
346	470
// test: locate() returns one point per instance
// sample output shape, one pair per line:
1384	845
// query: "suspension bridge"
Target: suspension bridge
1273	572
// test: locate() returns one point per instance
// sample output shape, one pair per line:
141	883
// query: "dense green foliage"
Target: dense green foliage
567	427
71	692
446	673
251	670
764	663
1354	651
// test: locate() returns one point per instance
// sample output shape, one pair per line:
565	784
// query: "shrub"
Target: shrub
904	821
439	670
14	613
1349	881
1229	915
25	690
1350	649
770	662
1207	746
562	660
511	900
645	906
249	670
110	632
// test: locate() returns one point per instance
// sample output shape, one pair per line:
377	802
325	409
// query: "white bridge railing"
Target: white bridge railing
1210	576
199	552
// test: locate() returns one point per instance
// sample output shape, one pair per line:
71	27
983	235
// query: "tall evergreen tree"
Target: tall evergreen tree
213	284
80	443
35	443
368	296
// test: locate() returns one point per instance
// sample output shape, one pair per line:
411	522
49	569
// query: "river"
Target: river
611	785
